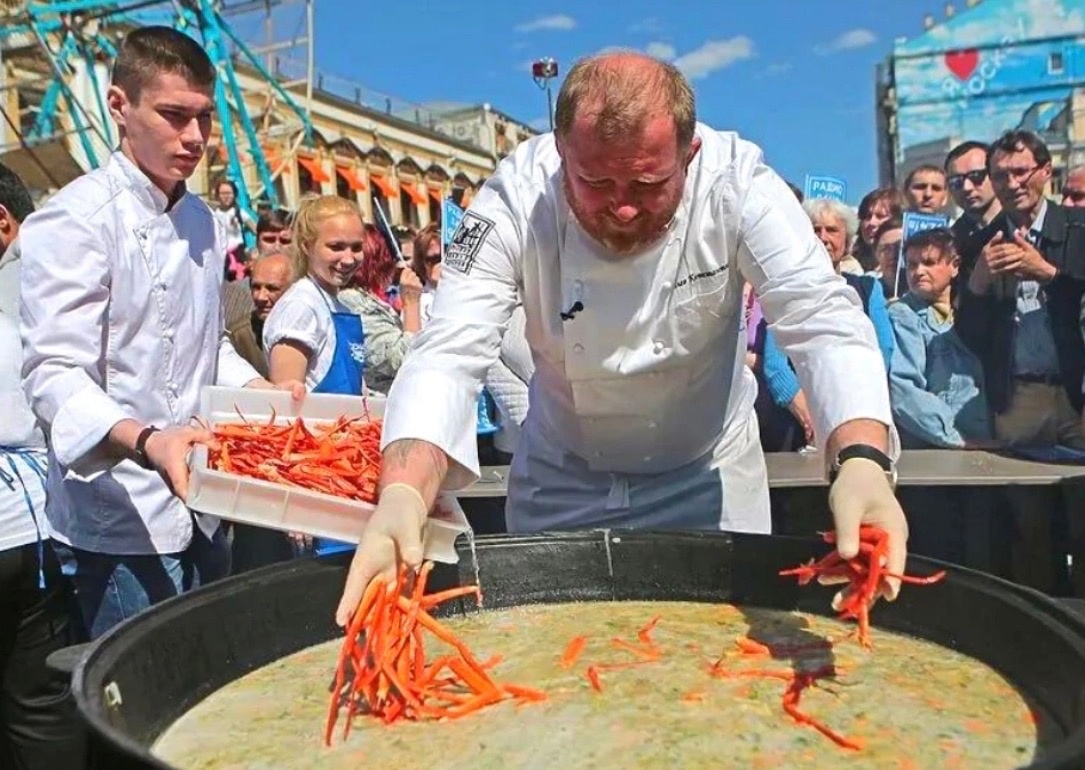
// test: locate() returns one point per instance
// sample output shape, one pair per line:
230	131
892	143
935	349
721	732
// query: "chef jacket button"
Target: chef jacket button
168	334
578	348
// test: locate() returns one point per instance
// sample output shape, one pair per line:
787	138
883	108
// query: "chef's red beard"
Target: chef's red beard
620	241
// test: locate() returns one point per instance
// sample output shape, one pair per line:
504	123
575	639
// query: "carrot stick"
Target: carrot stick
572	651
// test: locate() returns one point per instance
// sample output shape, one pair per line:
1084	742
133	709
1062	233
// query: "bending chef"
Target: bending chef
627	234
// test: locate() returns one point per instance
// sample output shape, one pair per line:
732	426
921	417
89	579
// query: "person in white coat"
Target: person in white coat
627	235
122	326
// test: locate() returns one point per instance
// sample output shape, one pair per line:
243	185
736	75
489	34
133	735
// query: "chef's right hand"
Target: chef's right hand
392	536
168	449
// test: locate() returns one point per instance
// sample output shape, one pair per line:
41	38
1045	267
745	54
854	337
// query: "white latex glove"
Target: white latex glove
393	535
860	495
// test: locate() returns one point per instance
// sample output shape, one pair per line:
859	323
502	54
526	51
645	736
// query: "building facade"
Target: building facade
985	68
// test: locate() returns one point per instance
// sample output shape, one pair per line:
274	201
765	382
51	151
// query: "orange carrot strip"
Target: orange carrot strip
572	651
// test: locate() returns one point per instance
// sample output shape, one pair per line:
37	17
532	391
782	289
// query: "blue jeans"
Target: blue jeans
112	588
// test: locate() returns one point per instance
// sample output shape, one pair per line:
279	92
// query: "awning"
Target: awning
436	193
418	198
316	171
387	189
353	181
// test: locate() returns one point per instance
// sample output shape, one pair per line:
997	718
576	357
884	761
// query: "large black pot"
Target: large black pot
141	677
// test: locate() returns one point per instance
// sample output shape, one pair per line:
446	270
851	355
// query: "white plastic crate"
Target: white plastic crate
290	509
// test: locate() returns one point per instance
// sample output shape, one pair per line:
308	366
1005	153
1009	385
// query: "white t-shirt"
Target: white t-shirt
18	429
304	315
230	219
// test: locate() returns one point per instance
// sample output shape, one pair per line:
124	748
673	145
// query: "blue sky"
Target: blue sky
795	77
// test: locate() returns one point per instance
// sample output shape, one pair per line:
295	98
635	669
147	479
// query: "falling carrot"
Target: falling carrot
384	650
572	651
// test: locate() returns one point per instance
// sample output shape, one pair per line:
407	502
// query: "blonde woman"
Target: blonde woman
310	335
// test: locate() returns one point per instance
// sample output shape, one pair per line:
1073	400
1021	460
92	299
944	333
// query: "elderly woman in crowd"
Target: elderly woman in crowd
835	225
876	207
388	331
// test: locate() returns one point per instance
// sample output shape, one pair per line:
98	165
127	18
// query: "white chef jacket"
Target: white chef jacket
650	372
121	318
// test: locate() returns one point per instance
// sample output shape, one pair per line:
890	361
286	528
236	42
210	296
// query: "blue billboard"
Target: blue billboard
999	65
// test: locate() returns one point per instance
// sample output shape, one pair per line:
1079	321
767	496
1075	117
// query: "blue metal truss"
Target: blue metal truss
198	18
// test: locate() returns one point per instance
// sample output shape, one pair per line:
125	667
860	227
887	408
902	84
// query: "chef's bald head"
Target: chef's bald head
619	92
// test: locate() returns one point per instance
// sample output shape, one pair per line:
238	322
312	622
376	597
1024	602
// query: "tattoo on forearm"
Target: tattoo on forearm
415	462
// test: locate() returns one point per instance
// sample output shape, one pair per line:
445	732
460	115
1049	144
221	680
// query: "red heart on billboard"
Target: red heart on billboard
962	63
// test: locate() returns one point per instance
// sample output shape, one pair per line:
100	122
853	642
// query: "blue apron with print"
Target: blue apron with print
344	377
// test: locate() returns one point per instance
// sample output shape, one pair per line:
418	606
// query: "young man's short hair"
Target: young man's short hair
14	196
148	52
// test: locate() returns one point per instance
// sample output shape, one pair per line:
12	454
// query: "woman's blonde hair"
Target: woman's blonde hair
311	213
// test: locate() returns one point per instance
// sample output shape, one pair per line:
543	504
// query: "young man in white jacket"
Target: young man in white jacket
627	236
121	328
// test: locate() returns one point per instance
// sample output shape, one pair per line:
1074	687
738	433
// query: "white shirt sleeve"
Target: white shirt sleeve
296	320
233	370
815	316
433	398
64	295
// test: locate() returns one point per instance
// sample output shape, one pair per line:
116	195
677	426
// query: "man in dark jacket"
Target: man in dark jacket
1020	312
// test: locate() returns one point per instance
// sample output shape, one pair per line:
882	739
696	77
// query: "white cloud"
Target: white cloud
660	50
558	21
715	55
651	26
777	68
847	41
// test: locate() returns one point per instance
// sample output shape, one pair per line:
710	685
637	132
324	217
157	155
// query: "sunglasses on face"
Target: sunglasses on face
284	238
975	178
433	259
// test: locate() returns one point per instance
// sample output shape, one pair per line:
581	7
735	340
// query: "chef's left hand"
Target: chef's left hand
296	388
861	495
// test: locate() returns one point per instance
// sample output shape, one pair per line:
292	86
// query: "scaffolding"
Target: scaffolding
55	60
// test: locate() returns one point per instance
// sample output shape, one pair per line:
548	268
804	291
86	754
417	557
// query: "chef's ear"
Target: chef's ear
117	101
694	148
560	146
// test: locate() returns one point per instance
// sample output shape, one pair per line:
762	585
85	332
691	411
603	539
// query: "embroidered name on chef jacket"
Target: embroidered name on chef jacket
466	242
700	276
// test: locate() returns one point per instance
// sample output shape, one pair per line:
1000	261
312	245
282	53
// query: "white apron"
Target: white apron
651	423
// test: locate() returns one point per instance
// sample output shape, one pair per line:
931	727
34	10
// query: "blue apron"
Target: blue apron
344	377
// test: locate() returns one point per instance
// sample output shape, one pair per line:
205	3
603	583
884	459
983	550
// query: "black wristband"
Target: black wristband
141	447
866	452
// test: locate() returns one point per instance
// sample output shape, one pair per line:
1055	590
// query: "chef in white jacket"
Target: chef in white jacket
627	235
122	325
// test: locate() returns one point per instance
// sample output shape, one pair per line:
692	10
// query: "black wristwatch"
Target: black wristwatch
866	452
141	447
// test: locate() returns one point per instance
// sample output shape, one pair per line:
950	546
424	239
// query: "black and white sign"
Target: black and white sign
466	242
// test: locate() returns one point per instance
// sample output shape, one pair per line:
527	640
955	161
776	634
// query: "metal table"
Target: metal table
917	467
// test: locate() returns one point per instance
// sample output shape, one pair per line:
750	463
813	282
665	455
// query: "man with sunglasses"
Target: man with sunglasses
970	186
1019	312
273	236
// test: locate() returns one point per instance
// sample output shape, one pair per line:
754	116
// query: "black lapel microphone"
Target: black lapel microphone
568	314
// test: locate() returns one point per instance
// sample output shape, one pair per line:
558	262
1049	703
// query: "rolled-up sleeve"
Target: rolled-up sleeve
64	296
433	398
816	318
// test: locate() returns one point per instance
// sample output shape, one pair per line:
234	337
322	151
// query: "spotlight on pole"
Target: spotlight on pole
543	71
